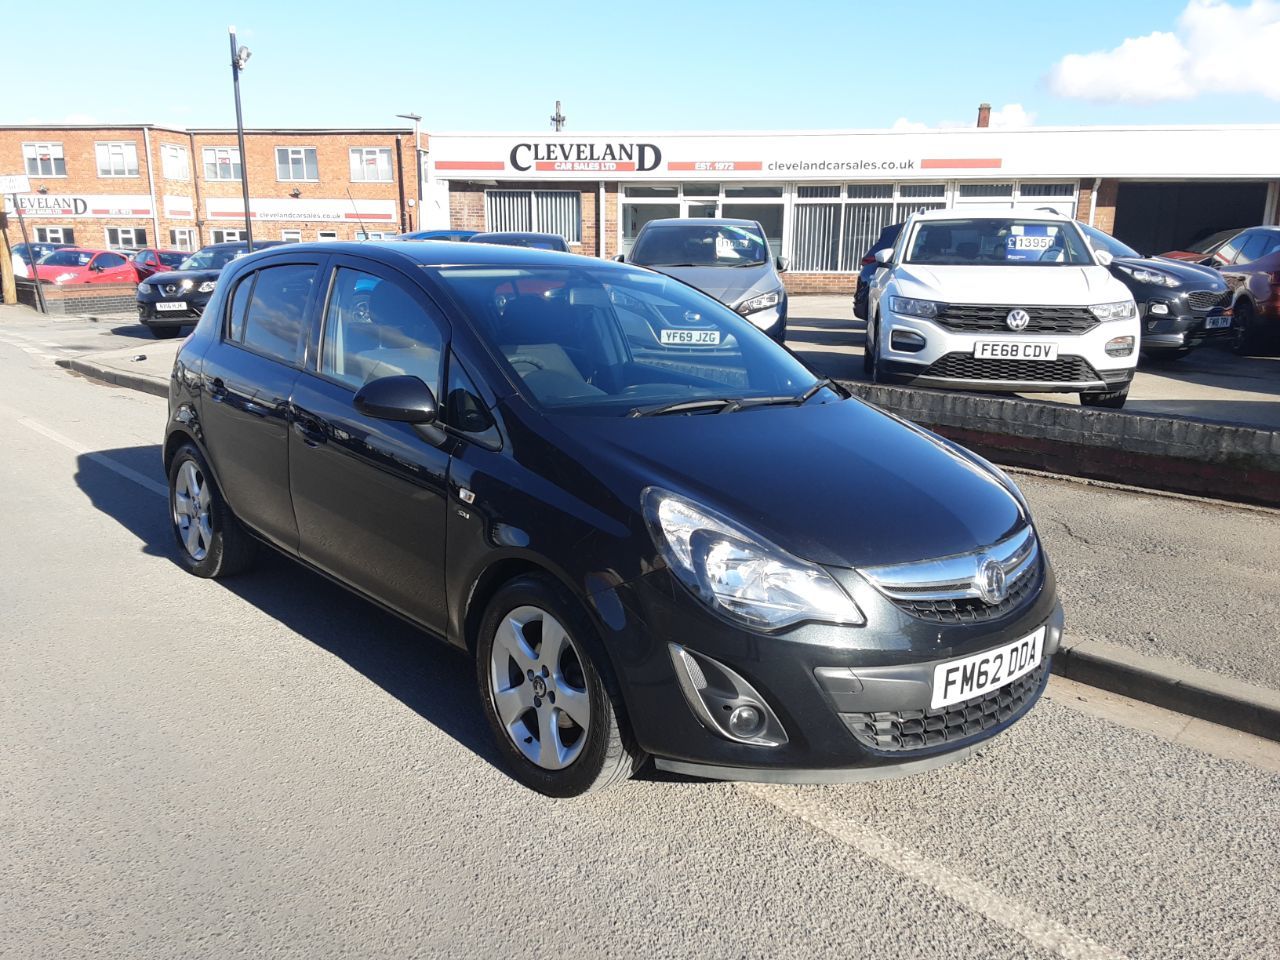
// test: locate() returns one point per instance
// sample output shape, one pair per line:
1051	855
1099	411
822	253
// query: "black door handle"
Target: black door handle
309	429
217	389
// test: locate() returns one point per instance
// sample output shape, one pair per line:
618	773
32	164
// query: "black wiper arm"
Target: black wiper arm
683	406
785	400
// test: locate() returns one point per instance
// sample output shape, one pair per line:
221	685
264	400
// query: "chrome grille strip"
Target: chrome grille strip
952	578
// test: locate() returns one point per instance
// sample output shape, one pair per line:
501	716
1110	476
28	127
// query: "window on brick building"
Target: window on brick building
132	238
291	236
117	159
542	211
55	235
297	163
184	239
44	160
371	164
175	164
228	236
327	235
221	163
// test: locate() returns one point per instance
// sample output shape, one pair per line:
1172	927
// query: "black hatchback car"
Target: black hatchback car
1182	305
174	299
657	534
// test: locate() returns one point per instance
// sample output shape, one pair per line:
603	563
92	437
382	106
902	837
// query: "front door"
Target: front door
369	495
249	373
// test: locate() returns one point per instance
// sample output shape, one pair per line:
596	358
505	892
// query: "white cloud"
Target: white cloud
1217	47
1012	116
1009	116
903	125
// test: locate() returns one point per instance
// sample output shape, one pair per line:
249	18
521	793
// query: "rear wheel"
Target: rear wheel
1108	401
871	353
548	693
211	541
1245	335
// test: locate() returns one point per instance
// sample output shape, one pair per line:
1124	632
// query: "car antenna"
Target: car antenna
356	211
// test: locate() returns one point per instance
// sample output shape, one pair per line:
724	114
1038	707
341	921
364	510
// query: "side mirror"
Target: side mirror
1103	257
621	258
403	399
783	264
884	257
95	267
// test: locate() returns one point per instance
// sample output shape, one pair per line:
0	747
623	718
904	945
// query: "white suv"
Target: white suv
1001	301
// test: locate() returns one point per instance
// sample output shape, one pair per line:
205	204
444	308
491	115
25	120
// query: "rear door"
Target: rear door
369	495
249	374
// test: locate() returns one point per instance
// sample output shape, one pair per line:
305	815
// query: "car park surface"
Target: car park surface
886	655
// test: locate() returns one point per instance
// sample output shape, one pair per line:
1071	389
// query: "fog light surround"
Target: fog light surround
725	702
1120	346
1158	309
906	341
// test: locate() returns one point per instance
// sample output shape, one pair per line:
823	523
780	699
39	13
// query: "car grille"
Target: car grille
971	609
965	366
900	730
967	317
1208	299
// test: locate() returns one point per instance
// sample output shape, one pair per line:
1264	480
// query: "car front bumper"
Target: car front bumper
821	682
947	359
772	320
1181	330
152	317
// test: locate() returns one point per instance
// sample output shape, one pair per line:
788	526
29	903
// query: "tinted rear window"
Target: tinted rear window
273	323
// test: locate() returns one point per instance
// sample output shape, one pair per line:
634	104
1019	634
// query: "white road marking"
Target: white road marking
1040	930
154	486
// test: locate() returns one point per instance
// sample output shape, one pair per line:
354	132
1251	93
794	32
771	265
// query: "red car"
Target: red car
1250	263
74	265
150	261
1202	250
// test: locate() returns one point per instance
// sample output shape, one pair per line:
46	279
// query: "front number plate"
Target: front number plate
172	305
959	680
690	338
1216	323
1015	350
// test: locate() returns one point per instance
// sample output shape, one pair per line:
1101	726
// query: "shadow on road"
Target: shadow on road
435	681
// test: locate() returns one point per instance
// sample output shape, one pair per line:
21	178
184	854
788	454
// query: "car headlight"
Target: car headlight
187	284
1120	310
913	308
207	286
1143	275
762	302
144	289
738	573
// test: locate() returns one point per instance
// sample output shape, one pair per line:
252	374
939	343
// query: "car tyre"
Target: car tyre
1244	329
550	747
870	353
1107	401
211	541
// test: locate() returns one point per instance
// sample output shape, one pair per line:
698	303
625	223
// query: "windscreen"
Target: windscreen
615	341
699	245
210	258
997	242
67	258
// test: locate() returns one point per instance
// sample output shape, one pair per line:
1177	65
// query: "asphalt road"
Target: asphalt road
272	767
1210	384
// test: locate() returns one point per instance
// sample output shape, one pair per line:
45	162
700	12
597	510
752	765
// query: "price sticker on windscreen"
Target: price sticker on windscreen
1029	241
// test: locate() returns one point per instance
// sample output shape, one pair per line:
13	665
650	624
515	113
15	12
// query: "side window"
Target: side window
239	300
1227	252
109	260
464	409
1272	245
273	322
374	328
1253	246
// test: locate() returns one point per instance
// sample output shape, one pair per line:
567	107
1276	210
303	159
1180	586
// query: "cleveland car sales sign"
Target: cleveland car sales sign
78	206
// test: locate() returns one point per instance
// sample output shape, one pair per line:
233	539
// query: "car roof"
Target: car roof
981	212
520	233
438	253
702	221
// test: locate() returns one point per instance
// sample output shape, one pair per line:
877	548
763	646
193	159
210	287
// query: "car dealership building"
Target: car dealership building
824	196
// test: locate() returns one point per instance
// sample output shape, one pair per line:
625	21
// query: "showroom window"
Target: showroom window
540	211
760	202
183	239
297	163
175	164
834	225
371	164
228	236
44	160
130	238
221	163
118	159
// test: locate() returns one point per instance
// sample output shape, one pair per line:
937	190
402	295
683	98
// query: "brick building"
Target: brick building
145	185
823	197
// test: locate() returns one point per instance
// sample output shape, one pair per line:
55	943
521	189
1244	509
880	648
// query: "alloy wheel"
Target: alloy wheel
191	499
538	687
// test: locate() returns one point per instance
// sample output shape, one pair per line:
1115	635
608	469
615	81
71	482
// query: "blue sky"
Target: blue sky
498	65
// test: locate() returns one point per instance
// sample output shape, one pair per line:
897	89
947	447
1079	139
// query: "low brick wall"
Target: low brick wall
819	282
85	299
1178	454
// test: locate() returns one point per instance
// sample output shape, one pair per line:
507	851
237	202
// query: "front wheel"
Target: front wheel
211	541
548	693
870	353
1107	401
1244	329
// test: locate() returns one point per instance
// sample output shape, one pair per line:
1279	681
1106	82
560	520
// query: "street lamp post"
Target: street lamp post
417	159
239	57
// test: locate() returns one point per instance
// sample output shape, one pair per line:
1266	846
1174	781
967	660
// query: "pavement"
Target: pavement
1210	384
271	766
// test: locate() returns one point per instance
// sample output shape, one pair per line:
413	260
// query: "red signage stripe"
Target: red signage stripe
963	163
470	165
715	165
585	165
369	216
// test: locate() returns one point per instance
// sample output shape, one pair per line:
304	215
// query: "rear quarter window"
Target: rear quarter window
274	318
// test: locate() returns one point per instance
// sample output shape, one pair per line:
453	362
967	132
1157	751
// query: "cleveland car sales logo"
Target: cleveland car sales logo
574	157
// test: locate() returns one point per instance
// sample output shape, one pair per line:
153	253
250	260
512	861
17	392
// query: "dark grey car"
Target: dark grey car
724	258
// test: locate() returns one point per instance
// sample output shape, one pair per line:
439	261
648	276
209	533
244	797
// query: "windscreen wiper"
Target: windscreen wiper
786	400
684	406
